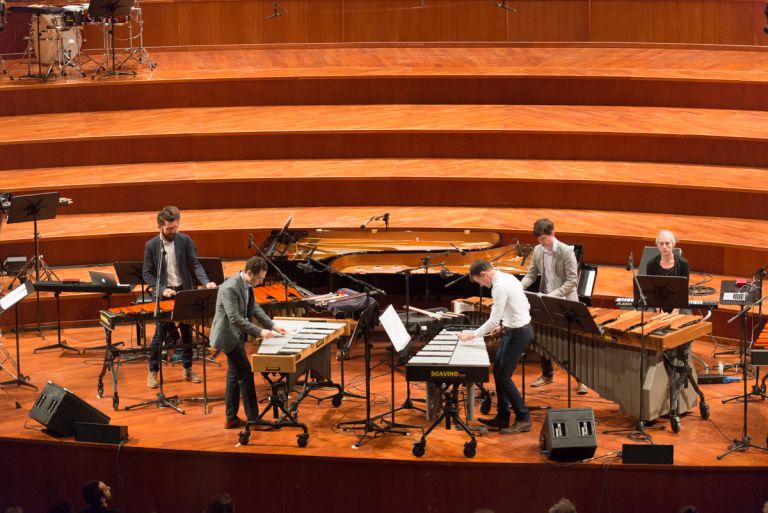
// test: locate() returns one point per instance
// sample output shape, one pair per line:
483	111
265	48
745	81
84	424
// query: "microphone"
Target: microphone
458	249
250	241
517	246
385	218
306	267
630	265
444	272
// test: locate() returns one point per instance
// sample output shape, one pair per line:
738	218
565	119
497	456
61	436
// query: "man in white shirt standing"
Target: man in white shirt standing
556	263
510	316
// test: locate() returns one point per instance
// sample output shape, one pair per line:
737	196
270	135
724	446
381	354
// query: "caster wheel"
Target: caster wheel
419	448
704	410
302	439
336	401
675	423
244	437
470	449
485	406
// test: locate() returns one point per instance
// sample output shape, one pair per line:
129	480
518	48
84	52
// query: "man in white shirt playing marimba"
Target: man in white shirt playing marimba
510	316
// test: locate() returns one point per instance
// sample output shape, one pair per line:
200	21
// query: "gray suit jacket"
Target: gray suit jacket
564	282
230	323
186	261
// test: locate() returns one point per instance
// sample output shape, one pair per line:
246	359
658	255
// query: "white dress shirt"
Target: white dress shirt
510	306
172	266
549	266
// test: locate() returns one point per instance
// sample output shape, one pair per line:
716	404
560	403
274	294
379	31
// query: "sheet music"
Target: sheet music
395	329
13	297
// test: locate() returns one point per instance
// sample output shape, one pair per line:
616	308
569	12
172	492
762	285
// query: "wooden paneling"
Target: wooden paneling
549	20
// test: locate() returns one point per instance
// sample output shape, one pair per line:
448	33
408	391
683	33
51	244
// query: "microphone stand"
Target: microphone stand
285	279
745	443
639	433
162	400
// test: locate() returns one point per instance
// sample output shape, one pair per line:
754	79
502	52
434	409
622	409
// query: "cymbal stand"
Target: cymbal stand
139	54
66	58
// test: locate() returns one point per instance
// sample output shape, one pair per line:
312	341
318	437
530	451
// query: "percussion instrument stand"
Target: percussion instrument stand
745	443
140	53
450	414
108	10
131	272
28	53
162	401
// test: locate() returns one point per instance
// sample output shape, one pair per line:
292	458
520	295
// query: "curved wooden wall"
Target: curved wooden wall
190	23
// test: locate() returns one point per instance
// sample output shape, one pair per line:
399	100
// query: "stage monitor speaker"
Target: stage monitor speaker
100	433
569	434
648	454
58	410
13	265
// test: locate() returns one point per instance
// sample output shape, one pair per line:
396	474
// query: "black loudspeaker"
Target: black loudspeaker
58	410
100	433
569	434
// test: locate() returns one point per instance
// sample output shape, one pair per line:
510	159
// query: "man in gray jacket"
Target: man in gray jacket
235	307
556	263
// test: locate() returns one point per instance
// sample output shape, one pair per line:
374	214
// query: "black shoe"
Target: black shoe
495	423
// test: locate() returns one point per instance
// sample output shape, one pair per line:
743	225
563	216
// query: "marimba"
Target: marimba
610	364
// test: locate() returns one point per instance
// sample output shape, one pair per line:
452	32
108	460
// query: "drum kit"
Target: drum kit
55	40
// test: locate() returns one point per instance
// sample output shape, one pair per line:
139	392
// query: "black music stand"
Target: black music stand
745	443
569	314
198	304
9	300
131	272
34	207
394	356
663	292
109	10
161	401
539	315
213	269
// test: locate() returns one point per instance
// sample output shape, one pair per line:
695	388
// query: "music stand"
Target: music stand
663	292
132	272
213	269
109	10
539	315
199	304
34	207
6	303
569	314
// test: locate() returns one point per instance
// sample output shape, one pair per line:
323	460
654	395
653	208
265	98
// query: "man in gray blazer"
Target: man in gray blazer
179	264
235	307
556	263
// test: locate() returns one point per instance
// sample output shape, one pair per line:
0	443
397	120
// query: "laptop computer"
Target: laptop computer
102	278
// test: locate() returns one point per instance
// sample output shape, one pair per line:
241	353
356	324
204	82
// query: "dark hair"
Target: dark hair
543	226
92	493
563	506
168	214
479	266
61	507
255	264
221	503
688	509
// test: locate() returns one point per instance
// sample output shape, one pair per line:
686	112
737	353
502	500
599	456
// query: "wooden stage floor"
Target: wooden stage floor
165	431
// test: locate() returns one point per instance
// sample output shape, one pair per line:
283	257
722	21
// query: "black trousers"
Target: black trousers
166	329
240	383
513	344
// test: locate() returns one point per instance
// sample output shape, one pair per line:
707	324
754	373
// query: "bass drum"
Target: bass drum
55	45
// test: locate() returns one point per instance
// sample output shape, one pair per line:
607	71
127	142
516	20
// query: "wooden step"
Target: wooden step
711	244
703	136
618	186
474	75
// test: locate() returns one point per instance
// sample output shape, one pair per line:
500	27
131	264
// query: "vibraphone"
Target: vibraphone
302	356
609	364
448	363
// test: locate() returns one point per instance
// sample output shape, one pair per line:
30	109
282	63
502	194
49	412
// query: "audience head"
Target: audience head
221	503
688	509
563	506
96	493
